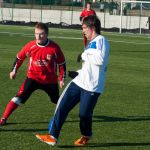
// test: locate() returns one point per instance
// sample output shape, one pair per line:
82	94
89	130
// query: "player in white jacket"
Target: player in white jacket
85	87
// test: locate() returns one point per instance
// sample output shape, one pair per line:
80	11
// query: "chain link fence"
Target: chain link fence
39	10
45	4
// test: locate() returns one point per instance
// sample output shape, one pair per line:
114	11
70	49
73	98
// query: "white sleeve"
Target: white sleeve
93	57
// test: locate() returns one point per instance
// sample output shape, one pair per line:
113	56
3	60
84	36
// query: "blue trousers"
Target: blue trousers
71	96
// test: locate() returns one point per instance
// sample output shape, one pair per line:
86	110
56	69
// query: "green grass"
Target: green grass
121	118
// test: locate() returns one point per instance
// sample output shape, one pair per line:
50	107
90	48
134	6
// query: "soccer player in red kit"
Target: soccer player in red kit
44	57
85	13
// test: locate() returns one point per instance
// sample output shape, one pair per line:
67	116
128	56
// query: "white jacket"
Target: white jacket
95	58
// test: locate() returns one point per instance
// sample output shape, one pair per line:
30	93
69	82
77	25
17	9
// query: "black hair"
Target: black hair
89	3
93	21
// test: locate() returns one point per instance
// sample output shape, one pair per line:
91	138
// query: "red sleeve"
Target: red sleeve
62	71
17	64
20	58
60	59
82	13
24	52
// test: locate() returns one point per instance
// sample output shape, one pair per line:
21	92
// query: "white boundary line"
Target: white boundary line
126	42
77	38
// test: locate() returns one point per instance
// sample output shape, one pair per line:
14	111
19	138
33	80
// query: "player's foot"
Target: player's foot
2	121
47	138
82	141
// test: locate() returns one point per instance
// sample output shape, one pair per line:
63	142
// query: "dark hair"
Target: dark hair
89	3
93	21
42	26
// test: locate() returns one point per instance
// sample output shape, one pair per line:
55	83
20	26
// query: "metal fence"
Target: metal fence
8	7
46	4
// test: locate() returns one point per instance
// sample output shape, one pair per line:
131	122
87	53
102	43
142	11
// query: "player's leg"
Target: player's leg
68	99
26	89
88	101
52	90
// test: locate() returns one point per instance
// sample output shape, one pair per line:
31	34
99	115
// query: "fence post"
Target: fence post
72	12
12	10
1	11
30	11
41	9
140	17
120	30
104	16
83	4
50	4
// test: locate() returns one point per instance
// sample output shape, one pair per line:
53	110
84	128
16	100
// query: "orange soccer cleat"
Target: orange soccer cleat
82	141
47	138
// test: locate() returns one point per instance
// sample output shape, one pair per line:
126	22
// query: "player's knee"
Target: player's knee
17	100
85	115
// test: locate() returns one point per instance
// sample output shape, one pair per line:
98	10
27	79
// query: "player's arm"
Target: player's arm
60	59
82	15
17	63
80	18
72	74
62	74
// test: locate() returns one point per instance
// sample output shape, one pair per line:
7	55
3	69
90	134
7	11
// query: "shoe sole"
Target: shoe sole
49	143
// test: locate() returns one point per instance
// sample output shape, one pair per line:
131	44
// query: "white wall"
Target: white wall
69	17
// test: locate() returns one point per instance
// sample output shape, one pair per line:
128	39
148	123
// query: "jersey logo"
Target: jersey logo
27	54
92	45
40	63
49	57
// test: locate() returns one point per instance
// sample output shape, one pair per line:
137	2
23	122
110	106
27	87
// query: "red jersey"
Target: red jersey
86	13
43	61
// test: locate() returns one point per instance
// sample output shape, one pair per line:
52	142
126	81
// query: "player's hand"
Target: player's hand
79	57
61	84
12	75
72	74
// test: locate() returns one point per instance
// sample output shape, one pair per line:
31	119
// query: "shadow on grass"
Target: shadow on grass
97	118
17	123
121	144
120	119
22	130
